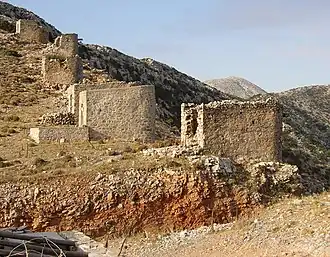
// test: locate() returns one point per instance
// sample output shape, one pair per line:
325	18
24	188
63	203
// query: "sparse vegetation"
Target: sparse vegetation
83	167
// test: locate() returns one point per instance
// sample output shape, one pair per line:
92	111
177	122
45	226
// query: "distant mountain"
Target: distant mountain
236	86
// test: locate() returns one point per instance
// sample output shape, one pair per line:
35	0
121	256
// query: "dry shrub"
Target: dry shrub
13	118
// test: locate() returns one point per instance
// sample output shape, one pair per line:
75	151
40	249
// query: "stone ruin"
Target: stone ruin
239	130
125	113
31	31
116	110
74	90
61	63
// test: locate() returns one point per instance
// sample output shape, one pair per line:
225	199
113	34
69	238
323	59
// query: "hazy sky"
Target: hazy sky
277	44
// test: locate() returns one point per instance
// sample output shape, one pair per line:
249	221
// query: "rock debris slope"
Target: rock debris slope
236	86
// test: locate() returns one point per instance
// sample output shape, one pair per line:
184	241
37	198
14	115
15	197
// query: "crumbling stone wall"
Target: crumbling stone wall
240	130
58	70
126	113
30	30
61	63
66	45
53	134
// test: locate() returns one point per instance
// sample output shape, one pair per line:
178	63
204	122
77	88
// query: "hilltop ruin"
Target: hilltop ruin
240	130
31	31
120	111
61	63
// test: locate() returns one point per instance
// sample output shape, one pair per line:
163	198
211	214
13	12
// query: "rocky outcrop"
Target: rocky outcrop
167	198
236	86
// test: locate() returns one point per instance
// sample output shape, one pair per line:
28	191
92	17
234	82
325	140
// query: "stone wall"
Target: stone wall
29	30
53	134
239	130
59	70
61	63
74	90
126	113
66	45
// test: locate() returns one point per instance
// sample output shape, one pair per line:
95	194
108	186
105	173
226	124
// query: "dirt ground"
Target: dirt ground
292	227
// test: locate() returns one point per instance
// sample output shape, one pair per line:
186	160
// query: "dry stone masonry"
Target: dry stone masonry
61	63
59	134
74	90
119	111
239	130
66	45
126	113
31	31
59	70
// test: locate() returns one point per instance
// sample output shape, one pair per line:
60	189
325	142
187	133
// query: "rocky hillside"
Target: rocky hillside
306	110
9	14
306	133
236	86
172	87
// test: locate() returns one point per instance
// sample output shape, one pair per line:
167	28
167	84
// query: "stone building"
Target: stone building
61	63
74	90
59	70
31	31
126	113
66	45
115	111
240	130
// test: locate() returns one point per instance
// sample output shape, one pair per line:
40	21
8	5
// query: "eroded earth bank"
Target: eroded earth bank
181	193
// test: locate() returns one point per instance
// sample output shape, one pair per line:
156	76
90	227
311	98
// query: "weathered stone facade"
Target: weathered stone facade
56	134
126	113
66	45
118	111
59	70
74	90
61	63
30	30
239	130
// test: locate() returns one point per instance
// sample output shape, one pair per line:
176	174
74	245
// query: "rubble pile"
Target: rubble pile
57	118
173	151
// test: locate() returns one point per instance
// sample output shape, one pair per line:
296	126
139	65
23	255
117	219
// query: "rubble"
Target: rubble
57	118
172	151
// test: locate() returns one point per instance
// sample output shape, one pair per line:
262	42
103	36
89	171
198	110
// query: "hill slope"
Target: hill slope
306	133
172	87
236	86
10	13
